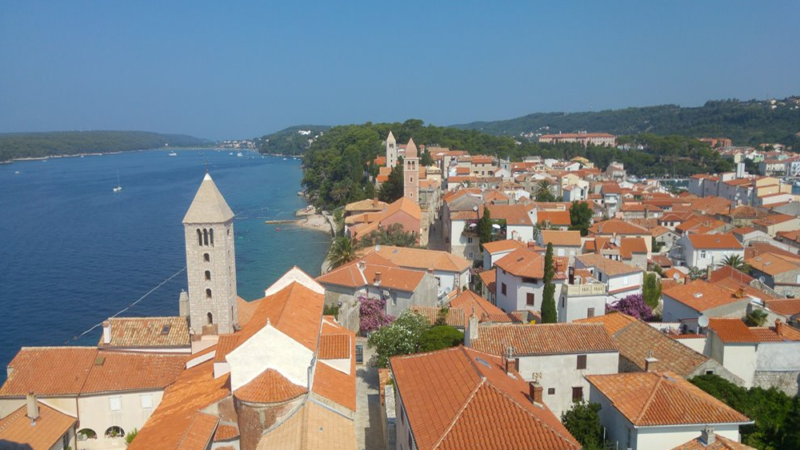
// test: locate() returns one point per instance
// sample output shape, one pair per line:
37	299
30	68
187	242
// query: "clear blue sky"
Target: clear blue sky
235	69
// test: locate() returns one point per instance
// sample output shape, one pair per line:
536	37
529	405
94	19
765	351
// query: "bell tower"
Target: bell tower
210	262
391	151
411	172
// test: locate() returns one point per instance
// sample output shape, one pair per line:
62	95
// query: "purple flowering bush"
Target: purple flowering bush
632	305
373	314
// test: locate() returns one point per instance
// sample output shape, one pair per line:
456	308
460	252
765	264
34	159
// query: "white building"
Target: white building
704	250
622	279
520	281
686	303
494	251
451	271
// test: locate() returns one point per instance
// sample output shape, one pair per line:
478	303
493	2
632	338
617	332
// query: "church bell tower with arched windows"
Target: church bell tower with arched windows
210	262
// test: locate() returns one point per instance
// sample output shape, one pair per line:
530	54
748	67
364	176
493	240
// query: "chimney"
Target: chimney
106	332
375	202
707	436
510	361
430	270
650	363
33	406
709	269
9	371
778	330
471	333
536	392
377	278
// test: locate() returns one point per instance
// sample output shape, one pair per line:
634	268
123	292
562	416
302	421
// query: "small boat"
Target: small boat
239	155
119	185
16	173
284	159
277	228
173	154
231	153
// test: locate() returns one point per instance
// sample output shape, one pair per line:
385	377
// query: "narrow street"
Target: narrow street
369	431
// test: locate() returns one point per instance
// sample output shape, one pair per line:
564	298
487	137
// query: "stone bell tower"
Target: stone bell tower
391	151
411	172
210	262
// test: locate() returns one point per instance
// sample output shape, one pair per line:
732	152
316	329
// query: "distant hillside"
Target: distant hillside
290	141
38	145
746	122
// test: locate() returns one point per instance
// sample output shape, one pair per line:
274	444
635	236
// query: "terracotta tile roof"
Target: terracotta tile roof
720	443
638	207
629	246
675	274
557	218
334	385
662	260
607	266
772	264
711	205
420	258
512	214
733	331
503	246
763	334
662	398
725	241
312	427
728	272
787	332
469	301
478	405
366	205
226	433
561	238
392	276
33	371
334	346
635	339
793	236
225	344
489	279
701	296
759	248
124	371
786	307
544	339
245	309
269	387
774	219
147	332
747	212
194	390
523	263
200	432
16	428
616	226
455	316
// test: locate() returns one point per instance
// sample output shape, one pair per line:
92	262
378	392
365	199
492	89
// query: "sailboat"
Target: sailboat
119	185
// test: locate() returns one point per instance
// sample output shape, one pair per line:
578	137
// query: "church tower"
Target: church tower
391	151
210	262
411	173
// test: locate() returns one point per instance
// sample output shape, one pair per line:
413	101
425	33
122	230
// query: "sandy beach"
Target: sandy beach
314	222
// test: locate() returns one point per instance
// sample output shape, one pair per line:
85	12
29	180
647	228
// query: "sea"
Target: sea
74	252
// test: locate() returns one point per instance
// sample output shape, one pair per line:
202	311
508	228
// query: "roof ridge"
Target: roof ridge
650	397
463	407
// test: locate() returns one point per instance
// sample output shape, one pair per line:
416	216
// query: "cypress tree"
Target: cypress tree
549	313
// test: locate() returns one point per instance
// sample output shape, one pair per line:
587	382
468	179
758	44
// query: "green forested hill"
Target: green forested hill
37	145
290	141
747	123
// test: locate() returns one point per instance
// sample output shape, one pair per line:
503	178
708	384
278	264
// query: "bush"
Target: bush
131	436
372	312
400	338
440	337
583	422
632	305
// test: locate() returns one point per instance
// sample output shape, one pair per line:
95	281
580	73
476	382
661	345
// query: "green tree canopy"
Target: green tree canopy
393	189
485	226
425	159
341	252
543	193
582	421
549	266
400	338
652	290
440	337
394	235
580	217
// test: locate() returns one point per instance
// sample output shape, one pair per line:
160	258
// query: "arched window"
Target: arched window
208	275
210	319
199	238
211	233
86	434
206	257
115	432
208	293
205	236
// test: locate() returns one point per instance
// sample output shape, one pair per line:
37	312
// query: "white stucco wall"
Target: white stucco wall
778	356
96	414
575	308
623	282
702	259
515	298
675	311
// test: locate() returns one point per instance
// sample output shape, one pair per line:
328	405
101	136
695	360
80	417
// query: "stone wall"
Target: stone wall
788	382
254	419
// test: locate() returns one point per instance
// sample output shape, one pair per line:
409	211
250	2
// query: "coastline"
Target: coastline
314	221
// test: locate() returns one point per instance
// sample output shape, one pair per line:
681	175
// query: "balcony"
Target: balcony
577	290
498	229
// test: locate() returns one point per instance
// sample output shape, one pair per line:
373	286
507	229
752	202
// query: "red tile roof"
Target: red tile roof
334	346
147	332
523	263
544	339
503	246
477	404
122	371
720	443
469	301
701	296
561	238
420	258
616	226
392	276
269	387
557	218
32	370
17	431
725	241
661	399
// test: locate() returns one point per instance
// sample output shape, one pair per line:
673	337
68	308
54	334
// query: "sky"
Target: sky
222	70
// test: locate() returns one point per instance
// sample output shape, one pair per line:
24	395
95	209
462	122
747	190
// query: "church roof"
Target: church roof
411	149
390	138
208	205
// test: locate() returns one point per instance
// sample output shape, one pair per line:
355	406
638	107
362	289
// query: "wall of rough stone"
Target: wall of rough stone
255	418
788	382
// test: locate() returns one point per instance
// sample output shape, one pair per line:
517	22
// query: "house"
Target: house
581	296
704	250
494	251
775	223
460	215
489	285
451	271
460	397
659	410
622	279
554	219
287	376
791	238
686	303
373	276
761	356
642	346
520	280
403	212
778	271
36	426
108	393
709	440
519	220
146	334
365	206
465	304
614	227
557	356
565	243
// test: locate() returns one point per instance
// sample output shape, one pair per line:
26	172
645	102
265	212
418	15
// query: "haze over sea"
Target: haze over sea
74	252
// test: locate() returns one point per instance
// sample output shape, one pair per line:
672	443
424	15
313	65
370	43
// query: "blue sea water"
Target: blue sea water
73	252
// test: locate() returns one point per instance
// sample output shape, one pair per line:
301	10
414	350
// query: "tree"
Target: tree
580	217
632	305
543	193
582	421
425	159
341	252
440	337
737	262
394	235
485	226
399	338
652	290
756	318
392	189
549	268
549	313
695	273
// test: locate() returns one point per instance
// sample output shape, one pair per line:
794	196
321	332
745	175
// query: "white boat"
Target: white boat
284	159
173	154
239	155
119	185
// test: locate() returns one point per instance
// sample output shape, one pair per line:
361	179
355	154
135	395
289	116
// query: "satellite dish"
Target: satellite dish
378	248
447	290
703	321
761	278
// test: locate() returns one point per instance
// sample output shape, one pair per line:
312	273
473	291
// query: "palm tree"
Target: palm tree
341	252
735	261
543	193
756	318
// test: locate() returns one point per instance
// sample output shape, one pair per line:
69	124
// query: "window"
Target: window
208	275
469	240
211	235
590	312
503	288
146	401
551	391
471	255
703	254
581	362
210	318
561	252
115	403
205	237
624	280
577	394
709	372
599	276
563	302
206	257
208	293
199	237
530	299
